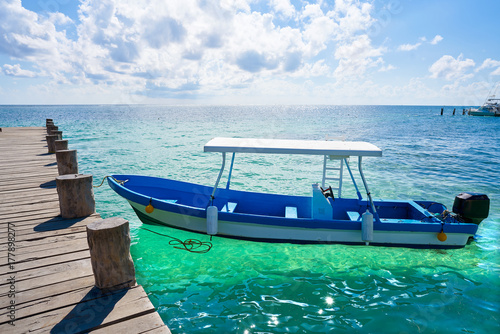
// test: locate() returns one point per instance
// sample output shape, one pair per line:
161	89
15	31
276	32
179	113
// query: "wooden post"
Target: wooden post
51	145
67	162
441	111
109	245
76	196
47	120
58	133
51	128
61	145
454	111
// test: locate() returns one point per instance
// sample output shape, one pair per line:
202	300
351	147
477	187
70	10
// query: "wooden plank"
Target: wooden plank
43	184
59	288
36	181
44	260
6	165
49	240
55	226
49	284
149	323
41	237
27	195
26	215
46	221
159	330
28	174
16	209
52	302
88	314
81	265
45	250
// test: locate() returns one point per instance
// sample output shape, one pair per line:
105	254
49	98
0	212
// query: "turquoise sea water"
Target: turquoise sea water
250	287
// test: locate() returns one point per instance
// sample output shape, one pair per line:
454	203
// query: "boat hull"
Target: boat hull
188	212
484	113
302	235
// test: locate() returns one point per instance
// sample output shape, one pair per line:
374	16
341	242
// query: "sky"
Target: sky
249	52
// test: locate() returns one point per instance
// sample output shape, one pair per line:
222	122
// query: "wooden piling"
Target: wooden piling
58	133
51	143
51	128
67	162
61	145
441	111
109	244
76	196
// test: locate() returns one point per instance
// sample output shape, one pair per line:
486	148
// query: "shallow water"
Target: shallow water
250	287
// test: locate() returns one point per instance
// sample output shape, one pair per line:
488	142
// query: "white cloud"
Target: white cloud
356	57
352	17
387	68
409	47
490	63
23	34
436	39
189	47
450	68
283	7
16	71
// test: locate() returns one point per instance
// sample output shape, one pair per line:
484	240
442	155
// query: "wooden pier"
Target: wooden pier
46	278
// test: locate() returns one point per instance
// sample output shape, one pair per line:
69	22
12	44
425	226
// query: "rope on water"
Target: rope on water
117	181
190	245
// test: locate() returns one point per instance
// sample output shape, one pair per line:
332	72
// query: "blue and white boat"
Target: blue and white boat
323	217
490	107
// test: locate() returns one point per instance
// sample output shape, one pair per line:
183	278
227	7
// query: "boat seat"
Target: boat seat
354	215
229	207
291	212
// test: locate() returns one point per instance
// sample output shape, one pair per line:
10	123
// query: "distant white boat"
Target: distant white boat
490	107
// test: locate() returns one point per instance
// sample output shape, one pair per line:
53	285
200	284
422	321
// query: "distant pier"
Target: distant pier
46	278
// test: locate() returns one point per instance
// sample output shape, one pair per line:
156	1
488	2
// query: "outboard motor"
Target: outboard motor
471	207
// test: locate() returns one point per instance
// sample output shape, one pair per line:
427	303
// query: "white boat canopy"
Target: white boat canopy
286	146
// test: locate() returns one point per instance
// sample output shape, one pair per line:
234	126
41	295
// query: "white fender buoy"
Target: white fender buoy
367	227
212	220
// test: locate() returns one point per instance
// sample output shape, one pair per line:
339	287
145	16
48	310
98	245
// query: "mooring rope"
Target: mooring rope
190	245
117	181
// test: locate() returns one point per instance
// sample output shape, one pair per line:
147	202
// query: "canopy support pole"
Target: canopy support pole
352	178
230	171
375	214
218	178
